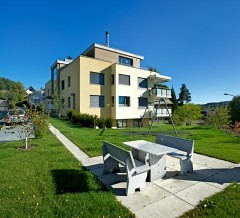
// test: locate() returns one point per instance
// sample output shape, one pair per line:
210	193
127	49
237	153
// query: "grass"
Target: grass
47	181
208	141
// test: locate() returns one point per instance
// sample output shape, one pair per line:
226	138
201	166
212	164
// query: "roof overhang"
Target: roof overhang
95	45
157	78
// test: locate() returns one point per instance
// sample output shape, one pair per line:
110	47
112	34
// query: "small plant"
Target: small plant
40	122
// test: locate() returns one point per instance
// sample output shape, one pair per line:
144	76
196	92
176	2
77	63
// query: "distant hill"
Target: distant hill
215	104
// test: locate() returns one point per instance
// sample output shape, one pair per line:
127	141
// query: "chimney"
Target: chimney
107	39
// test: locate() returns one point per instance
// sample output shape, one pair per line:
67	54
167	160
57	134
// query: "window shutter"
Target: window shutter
96	101
124	79
97	78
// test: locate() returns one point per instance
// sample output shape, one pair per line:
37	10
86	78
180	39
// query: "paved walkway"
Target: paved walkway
168	197
14	133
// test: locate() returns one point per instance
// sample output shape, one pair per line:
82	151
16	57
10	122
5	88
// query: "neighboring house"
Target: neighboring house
107	82
30	90
35	97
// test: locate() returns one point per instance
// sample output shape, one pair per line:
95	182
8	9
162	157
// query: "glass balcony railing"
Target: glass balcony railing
163	112
158	92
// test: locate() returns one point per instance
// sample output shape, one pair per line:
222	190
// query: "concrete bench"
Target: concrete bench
185	151
136	170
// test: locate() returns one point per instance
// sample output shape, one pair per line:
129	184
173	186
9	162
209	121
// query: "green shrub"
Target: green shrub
70	113
88	120
108	122
218	118
100	122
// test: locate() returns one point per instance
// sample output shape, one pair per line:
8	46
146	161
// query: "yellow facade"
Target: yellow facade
77	89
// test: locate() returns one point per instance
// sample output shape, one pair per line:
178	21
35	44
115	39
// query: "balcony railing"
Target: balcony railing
163	112
163	93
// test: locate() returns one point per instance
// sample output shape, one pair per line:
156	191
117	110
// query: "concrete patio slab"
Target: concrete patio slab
225	178
176	184
151	194
198	192
169	207
203	172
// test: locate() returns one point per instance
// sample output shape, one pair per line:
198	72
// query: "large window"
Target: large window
124	101
121	123
96	101
142	102
126	61
124	79
142	82
97	78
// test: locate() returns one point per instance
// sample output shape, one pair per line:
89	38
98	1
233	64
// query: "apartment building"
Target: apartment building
107	82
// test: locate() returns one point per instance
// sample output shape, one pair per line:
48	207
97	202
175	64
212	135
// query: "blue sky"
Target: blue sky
196	42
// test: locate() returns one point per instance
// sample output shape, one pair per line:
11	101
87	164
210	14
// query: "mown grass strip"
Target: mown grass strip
208	140
47	181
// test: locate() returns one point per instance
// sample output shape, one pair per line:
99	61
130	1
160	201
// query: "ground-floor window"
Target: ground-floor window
136	122
121	123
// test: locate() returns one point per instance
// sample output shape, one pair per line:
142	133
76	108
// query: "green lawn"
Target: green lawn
47	181
208	140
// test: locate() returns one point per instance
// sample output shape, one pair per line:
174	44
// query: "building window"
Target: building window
136	123
97	78
96	101
124	101
126	61
142	102
62	85
121	123
124	79
113	79
69	102
69	81
142	82
73	101
62	101
112	101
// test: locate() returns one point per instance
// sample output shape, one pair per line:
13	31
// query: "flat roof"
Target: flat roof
65	61
95	45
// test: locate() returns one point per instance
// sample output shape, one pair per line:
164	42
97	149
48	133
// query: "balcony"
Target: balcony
160	93
157	78
162	112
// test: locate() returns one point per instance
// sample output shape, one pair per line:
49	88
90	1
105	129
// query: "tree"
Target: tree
219	117
187	113
174	100
184	95
58	102
234	109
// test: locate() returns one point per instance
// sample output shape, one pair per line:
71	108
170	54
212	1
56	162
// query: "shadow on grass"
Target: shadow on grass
75	181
